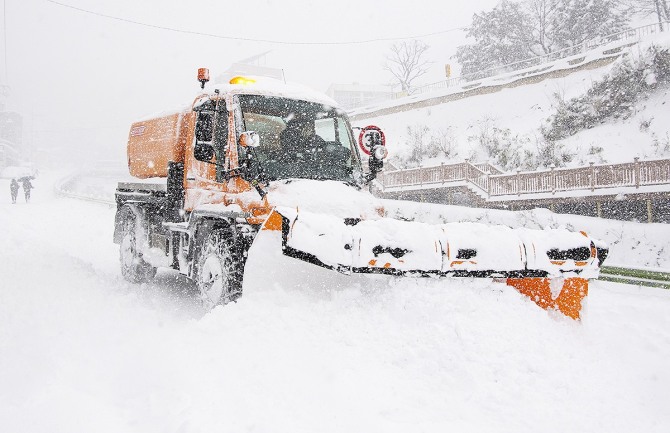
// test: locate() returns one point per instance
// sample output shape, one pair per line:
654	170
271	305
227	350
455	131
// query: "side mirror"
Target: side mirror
250	139
203	151
372	141
376	161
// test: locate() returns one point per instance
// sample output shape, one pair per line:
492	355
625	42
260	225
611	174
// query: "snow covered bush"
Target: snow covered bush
418	147
499	145
613	97
661	144
444	141
511	151
423	144
548	153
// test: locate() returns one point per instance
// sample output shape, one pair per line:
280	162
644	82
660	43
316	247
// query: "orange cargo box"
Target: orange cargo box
153	143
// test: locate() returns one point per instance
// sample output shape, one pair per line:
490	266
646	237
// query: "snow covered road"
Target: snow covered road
81	350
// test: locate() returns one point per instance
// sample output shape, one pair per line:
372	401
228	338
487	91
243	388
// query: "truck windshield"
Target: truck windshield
300	139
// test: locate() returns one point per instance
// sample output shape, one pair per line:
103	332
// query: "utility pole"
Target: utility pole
4	80
4	87
4	35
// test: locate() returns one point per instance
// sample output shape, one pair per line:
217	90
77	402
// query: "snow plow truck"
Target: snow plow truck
260	165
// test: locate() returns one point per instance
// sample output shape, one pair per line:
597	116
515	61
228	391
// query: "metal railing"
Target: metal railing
66	187
487	178
623	37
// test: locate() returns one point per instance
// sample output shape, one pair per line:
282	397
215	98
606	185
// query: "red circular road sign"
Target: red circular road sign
365	139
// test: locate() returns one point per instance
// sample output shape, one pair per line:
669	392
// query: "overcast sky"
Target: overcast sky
79	78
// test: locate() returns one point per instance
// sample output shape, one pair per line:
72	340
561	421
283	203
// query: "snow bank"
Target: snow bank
81	350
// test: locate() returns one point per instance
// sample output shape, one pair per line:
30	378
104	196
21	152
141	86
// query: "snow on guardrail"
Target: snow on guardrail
91	185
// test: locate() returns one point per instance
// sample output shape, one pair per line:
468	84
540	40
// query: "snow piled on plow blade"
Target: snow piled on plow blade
454	249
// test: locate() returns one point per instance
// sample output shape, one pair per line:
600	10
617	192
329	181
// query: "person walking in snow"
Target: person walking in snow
27	186
14	188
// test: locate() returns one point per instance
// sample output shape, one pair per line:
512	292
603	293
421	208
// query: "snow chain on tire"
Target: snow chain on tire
219	268
133	267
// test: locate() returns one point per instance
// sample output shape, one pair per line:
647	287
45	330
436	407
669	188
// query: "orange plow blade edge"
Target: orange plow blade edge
539	290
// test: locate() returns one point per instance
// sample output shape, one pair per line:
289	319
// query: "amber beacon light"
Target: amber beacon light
242	80
203	76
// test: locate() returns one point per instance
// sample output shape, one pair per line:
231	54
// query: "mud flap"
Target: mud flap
564	295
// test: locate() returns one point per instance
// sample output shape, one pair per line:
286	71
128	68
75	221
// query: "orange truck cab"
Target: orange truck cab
206	168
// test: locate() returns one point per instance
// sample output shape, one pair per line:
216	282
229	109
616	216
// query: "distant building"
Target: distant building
11	125
10	137
356	95
255	65
245	69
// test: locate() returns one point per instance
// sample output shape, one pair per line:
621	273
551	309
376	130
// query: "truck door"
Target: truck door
211	127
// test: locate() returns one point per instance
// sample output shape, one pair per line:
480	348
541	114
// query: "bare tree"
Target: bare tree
406	62
660	8
662	11
542	19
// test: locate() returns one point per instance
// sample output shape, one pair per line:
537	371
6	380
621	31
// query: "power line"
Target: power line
237	38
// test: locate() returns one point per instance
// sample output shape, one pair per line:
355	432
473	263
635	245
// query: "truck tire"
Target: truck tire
133	267
219	269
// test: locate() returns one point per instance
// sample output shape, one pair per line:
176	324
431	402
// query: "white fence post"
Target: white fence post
636	171
552	167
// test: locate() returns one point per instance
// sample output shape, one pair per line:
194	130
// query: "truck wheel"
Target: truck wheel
133	267
219	270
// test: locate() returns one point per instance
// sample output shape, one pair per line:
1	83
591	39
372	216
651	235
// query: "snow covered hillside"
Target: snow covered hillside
82	350
511	119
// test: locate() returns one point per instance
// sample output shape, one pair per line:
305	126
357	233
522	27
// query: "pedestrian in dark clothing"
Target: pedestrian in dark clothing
27	186
14	188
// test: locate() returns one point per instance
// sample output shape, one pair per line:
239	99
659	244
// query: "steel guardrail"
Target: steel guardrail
635	276
60	190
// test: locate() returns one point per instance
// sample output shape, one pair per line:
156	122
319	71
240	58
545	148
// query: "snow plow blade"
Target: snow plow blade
551	267
564	295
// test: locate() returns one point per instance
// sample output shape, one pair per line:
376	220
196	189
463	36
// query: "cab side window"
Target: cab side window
204	126
211	127
220	141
